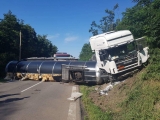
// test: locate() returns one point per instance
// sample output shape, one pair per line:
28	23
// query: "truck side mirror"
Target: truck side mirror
140	47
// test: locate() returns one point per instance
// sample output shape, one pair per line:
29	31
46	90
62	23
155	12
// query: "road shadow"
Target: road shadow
8	107
7	95
9	100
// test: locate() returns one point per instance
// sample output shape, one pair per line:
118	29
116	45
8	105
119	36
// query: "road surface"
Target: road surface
35	100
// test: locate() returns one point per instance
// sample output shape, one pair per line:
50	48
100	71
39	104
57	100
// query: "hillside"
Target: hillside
135	98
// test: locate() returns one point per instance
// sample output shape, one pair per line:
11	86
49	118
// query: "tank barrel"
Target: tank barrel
45	70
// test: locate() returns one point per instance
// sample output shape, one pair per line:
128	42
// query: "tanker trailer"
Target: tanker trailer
77	71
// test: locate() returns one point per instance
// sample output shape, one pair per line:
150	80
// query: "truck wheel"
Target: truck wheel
100	82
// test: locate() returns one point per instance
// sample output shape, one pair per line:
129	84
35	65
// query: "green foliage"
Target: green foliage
45	47
93	111
33	45
143	20
143	2
86	52
153	69
133	20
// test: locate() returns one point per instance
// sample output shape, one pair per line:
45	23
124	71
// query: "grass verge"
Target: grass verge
142	102
93	111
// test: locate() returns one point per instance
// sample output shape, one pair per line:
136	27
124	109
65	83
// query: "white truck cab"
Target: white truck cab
118	53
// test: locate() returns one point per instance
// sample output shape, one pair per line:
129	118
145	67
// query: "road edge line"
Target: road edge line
72	107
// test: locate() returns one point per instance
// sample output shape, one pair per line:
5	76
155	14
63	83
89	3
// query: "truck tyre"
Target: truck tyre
100	82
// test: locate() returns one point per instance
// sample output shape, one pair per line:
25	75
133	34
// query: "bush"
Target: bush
153	69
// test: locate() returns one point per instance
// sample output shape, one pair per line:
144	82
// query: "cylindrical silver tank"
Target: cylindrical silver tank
54	67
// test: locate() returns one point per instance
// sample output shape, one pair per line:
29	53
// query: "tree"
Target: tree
143	2
107	23
86	52
45	47
8	33
33	45
143	20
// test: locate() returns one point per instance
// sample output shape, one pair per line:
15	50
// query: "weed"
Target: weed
153	69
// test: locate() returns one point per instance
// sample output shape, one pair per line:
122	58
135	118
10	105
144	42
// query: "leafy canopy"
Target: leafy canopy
33	45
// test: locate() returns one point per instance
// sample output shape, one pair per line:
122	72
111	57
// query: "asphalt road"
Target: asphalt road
35	100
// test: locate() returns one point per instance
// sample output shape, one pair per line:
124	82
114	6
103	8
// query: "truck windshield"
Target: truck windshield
122	50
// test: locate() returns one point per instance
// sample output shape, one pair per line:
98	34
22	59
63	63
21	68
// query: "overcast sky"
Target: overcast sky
66	22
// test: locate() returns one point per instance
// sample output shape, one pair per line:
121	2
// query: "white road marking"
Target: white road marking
72	107
31	86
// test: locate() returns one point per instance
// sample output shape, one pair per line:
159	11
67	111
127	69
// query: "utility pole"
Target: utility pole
20	46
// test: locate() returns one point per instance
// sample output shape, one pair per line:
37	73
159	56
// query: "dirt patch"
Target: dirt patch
157	105
116	95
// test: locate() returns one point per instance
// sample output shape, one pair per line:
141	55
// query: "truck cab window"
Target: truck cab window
103	55
122	50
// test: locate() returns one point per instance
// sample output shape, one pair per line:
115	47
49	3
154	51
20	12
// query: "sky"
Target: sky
65	22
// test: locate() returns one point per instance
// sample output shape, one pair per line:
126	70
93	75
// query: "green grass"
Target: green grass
93	111
142	102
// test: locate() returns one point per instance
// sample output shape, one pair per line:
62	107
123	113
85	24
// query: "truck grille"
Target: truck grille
127	64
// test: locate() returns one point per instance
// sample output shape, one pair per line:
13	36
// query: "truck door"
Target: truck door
143	52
